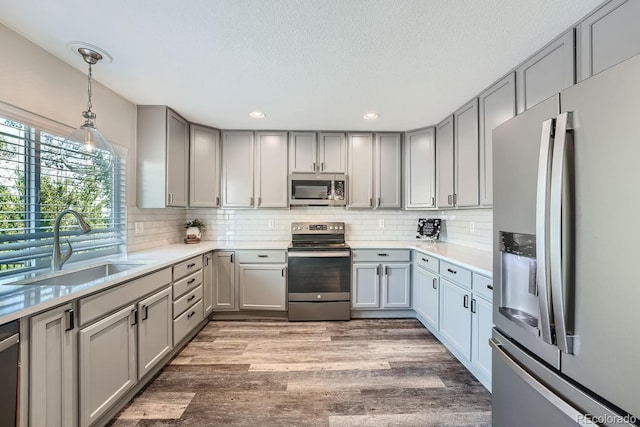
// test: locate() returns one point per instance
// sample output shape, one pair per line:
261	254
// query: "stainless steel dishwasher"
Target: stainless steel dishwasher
9	353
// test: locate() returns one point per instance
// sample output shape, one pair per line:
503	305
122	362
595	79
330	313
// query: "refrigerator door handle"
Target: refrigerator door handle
542	230
559	251
540	388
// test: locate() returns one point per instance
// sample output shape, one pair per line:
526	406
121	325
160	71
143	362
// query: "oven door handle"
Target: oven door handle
319	254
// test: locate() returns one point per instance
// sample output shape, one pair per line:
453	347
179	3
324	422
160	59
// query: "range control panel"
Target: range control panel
317	227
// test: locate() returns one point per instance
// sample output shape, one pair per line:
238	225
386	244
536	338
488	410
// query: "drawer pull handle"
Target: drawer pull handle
473	305
435	283
69	320
193	264
425	260
190	314
263	256
383	254
452	271
191	281
190	298
490	287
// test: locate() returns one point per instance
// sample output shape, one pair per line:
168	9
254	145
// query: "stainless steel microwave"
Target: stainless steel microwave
310	189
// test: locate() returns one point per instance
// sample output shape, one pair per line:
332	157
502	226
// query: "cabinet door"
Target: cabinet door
497	105
360	171
204	167
332	153
155	330
466	154
224	288
207	283
482	323
388	171
426	299
271	170
396	286
177	160
444	162
455	317
263	287
420	169
237	169
302	152
52	380
107	367
548	72
365	291
609	36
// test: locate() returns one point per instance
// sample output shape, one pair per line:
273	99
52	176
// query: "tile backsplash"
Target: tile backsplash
161	227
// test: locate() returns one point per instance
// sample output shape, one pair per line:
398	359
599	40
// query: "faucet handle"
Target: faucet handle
65	256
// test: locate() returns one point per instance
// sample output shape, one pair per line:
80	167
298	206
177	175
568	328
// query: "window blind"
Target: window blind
35	186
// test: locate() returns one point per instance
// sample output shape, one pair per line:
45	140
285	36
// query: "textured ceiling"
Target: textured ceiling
309	64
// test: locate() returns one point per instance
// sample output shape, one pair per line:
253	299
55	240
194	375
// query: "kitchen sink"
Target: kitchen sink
79	277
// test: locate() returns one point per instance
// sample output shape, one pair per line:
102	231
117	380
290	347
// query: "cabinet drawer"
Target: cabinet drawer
427	262
187	267
187	300
187	321
381	255
186	284
256	257
98	305
483	286
456	274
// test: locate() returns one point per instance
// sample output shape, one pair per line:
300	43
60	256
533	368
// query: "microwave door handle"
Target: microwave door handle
542	230
560	210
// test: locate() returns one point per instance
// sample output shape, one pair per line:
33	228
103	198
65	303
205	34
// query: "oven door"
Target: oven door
319	275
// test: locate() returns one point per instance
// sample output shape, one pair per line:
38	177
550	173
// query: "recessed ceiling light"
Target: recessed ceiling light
257	115
371	116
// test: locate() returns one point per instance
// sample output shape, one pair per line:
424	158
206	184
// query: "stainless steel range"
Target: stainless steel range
319	266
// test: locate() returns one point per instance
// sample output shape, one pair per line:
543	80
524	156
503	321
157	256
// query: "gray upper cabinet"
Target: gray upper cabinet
444	164
162	157
271	170
204	167
332	152
548	72
497	105
465	135
420	174
302	152
237	169
388	170
361	163
608	36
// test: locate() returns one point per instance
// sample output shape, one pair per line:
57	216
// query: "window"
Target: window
35	186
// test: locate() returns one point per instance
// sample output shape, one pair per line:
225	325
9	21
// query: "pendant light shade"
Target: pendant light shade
87	151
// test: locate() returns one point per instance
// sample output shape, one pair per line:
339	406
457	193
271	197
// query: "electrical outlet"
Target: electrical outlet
381	223
472	227
139	228
271	224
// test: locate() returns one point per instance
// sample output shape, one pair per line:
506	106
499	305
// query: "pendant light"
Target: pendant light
87	151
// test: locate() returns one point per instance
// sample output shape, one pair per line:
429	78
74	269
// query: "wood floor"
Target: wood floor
274	373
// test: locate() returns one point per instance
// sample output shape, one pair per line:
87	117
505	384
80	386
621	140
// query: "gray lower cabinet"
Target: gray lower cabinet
381	279
481	325
155	330
608	36
208	282
497	104
547	72
107	363
455	317
162	157
263	287
420	172
224	286
237	169
53	393
271	170
426	297
204	167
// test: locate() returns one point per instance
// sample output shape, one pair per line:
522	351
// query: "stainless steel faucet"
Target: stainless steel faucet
58	257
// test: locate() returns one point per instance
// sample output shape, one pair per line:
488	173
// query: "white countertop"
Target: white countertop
21	300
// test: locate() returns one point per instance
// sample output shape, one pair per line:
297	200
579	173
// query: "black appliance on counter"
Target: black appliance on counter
319	272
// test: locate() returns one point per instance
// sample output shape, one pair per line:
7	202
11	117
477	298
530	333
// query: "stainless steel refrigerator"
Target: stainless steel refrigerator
566	342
